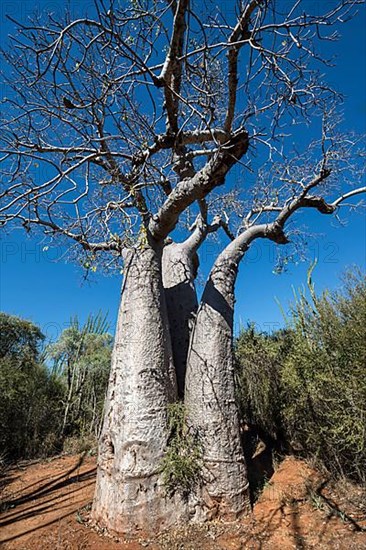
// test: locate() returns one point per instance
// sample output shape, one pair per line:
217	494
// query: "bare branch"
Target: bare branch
237	39
346	196
171	73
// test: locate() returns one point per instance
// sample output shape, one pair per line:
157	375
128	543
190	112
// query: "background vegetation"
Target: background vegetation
305	387
51	395
30	403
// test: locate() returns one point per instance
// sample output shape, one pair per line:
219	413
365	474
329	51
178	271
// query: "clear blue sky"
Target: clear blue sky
49	292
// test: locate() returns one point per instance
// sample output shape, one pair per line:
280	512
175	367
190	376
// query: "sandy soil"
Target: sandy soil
45	506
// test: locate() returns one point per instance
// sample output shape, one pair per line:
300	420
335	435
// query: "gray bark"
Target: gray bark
210	391
210	396
180	263
129	496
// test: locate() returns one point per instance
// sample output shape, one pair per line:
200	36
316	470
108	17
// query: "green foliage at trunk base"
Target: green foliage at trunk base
182	462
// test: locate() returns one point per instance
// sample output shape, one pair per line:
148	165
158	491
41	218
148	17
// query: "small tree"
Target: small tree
122	125
82	358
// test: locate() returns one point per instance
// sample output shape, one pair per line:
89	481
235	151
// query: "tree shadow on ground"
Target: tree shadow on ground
44	488
46	501
333	509
284	514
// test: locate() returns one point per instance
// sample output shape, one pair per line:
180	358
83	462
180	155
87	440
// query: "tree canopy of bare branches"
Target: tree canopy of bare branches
117	121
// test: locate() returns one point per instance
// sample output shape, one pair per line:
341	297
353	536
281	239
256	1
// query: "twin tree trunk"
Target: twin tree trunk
167	349
129	492
210	397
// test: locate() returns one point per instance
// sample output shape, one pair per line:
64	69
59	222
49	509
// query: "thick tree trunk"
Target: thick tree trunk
180	265
129	494
210	398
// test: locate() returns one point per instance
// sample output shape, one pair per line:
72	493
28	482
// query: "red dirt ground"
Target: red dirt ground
45	506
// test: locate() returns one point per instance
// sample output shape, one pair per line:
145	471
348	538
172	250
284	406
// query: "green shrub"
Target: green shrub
258	379
324	378
308	383
181	465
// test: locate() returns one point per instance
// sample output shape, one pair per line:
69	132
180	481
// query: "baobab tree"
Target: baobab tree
121	128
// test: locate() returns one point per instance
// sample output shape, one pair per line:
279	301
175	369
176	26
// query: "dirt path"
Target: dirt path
46	507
